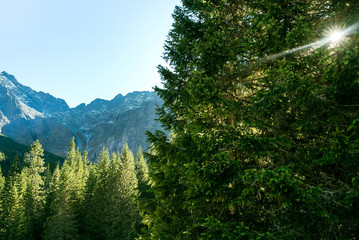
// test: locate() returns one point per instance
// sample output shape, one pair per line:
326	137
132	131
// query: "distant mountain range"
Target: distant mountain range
27	115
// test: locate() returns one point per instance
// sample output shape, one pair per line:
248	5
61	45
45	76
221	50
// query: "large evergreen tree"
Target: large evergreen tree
264	145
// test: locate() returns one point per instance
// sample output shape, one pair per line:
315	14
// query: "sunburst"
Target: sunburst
335	35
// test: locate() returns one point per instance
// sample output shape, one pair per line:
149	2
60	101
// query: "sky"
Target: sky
80	50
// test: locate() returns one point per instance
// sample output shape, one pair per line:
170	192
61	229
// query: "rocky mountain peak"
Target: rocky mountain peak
41	102
27	115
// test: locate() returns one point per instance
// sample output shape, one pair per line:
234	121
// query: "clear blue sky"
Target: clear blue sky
79	50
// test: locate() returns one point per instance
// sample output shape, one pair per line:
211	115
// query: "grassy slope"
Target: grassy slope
11	149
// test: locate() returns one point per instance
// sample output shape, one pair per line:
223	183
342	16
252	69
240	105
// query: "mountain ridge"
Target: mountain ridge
27	115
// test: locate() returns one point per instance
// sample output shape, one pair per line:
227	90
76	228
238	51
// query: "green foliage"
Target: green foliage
141	171
67	194
76	200
124	201
34	194
98	193
111	197
128	179
262	147
13	225
145	196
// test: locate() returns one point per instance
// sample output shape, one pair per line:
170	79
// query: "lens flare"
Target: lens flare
336	36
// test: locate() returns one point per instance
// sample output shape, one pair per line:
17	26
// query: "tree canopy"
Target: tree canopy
264	145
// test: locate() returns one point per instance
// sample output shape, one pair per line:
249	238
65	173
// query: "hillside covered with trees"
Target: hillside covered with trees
11	151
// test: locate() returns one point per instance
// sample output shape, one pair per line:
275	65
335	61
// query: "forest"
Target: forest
262	101
78	200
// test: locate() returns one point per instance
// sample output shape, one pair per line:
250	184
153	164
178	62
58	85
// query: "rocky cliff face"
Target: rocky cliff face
27	115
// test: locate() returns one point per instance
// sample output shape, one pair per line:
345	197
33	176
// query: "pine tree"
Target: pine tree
145	196
34	194
52	188
98	193
263	144
13	218
141	171
129	183
2	183
47	177
114	215
87	216
67	198
2	195
123	211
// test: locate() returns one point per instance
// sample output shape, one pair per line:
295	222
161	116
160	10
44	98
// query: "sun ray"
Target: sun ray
334	36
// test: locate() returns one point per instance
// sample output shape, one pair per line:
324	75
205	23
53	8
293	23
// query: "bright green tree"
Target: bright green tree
2	194
264	146
112	210
98	192
13	218
145	196
34	194
127	226
2	183
67	198
141	171
51	188
114	214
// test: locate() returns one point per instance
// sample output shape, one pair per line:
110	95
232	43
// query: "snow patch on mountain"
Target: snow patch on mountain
28	112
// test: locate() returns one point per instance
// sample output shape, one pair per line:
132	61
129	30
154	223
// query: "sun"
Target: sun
336	36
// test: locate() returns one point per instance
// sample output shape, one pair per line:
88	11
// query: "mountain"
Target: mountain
27	115
12	149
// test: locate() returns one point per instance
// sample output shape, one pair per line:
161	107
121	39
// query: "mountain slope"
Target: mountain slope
12	149
27	115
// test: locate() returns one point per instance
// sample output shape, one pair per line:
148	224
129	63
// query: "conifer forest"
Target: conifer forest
261	99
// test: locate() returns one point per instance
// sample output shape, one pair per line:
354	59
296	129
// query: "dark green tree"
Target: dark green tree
264	146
